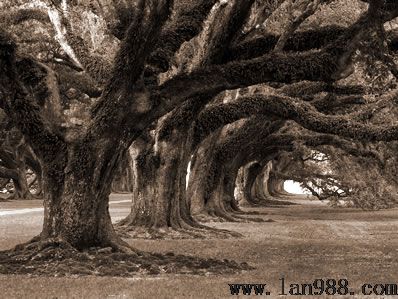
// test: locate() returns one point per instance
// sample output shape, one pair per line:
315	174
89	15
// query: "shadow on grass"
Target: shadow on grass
55	261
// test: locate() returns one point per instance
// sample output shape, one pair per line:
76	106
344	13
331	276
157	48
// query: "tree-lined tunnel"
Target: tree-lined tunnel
201	110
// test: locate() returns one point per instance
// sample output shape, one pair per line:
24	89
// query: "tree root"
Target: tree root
239	211
218	215
175	232
270	203
55	257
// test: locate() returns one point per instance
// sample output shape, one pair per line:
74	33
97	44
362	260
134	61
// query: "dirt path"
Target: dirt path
306	241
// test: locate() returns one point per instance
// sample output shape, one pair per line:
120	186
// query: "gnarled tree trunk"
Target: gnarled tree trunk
76	189
200	167
260	187
159	197
221	202
249	176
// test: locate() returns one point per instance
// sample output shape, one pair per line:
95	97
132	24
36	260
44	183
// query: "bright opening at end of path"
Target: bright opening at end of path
294	187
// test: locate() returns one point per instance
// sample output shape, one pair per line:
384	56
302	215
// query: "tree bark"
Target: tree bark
200	167
251	174
76	195
220	201
261	191
124	178
274	186
159	198
21	187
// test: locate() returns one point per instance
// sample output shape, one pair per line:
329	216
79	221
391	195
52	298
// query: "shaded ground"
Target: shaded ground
307	241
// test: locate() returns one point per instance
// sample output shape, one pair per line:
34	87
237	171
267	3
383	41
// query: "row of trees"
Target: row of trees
198	84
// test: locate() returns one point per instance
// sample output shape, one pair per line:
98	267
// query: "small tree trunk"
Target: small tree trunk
251	171
240	185
274	186
260	185
124	179
21	187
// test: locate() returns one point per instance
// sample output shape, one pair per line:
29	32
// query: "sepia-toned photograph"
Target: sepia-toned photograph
198	149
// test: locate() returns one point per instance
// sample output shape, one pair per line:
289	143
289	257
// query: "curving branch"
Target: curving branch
258	147
23	15
302	112
224	30
186	25
310	9
299	41
285	68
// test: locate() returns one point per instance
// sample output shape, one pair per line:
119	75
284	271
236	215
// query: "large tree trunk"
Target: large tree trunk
76	196
275	184
214	199
159	198
200	167
221	202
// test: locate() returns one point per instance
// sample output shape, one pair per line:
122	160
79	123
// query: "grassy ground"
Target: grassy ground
307	241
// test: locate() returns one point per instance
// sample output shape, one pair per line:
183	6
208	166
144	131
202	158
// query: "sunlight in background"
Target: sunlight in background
188	173
294	187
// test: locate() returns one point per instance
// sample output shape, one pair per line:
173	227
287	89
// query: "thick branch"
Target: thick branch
297	42
269	68
308	117
222	32
186	25
261	148
23	15
312	6
114	109
216	116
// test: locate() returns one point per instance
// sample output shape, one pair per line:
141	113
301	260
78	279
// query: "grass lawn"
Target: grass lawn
305	242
